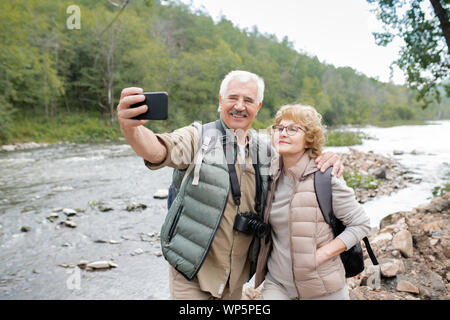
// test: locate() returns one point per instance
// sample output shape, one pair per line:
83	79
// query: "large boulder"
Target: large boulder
403	242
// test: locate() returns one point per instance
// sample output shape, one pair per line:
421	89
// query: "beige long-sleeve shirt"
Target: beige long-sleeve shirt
226	263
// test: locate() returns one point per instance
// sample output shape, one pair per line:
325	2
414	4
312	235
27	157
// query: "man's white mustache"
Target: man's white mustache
239	113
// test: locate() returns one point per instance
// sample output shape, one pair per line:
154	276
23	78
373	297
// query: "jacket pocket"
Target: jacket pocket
174	224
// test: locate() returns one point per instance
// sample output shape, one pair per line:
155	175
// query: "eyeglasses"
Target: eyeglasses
290	129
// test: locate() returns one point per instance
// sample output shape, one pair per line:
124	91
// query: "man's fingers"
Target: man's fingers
132	112
127	101
336	167
322	159
329	162
130	91
341	171
317	160
131	123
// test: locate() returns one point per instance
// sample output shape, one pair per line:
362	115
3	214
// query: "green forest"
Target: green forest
60	83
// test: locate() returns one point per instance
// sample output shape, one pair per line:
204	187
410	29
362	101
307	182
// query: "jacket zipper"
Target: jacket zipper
290	238
174	223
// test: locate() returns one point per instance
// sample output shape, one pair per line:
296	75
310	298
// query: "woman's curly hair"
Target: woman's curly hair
310	120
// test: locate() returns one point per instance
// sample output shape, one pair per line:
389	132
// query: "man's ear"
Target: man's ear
259	106
220	103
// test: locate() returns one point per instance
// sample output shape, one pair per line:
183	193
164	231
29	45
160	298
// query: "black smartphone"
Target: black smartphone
157	103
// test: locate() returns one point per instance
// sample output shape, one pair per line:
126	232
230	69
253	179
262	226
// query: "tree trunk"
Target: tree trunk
443	19
110	79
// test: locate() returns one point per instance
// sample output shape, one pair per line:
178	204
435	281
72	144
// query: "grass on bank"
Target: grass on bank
85	128
439	191
78	128
338	138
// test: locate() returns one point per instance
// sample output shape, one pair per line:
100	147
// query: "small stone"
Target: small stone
69	212
104	208
396	253
161	194
158	253
406	286
138	251
433	242
68	223
52	217
389	269
382	237
83	264
100	265
380	173
136	206
25	228
425	293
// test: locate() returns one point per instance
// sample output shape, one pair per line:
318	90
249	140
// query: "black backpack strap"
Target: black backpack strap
322	186
370	251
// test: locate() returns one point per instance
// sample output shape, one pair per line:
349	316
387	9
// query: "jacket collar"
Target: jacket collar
249	135
304	167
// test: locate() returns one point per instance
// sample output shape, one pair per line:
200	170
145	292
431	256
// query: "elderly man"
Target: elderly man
219	178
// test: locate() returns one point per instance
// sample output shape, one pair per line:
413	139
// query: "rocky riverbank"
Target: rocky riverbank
413	251
25	146
371	174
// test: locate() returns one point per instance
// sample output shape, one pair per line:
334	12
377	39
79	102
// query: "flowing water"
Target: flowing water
34	183
425	153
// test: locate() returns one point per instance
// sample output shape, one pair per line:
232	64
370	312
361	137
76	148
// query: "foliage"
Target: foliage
343	138
49	73
356	180
425	54
439	191
79	128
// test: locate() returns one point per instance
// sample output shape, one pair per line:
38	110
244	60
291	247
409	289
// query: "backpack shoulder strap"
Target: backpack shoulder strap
206	134
322	187
209	133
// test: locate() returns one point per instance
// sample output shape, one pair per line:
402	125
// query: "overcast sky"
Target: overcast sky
336	31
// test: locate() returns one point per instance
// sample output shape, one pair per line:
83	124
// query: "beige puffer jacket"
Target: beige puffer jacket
308	232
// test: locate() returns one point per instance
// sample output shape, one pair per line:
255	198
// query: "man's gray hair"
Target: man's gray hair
243	76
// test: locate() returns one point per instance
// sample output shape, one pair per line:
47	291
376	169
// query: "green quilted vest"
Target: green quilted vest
195	214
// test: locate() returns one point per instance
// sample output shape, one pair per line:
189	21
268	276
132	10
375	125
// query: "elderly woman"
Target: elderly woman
300	259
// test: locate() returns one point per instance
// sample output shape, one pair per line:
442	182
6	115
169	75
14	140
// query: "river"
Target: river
34	183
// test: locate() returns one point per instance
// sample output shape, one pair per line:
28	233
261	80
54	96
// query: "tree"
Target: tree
425	30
